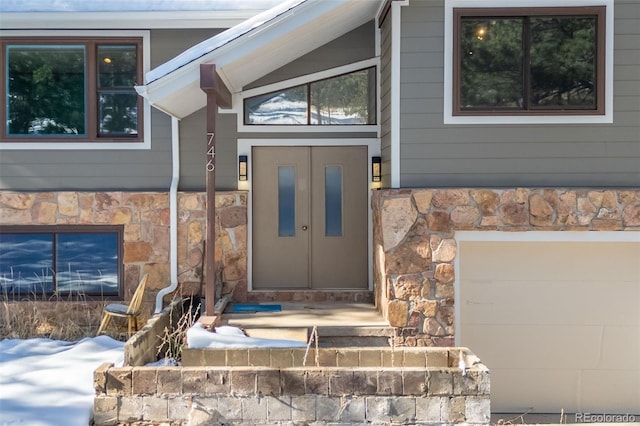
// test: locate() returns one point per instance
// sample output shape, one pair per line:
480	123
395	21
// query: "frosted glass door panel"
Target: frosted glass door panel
333	201
286	201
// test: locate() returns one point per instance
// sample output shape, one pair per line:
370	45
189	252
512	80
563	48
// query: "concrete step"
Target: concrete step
328	336
287	333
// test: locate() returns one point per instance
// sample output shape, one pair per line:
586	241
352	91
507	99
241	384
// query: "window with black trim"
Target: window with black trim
535	61
40	261
71	89
347	99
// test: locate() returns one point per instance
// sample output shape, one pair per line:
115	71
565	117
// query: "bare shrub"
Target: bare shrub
174	337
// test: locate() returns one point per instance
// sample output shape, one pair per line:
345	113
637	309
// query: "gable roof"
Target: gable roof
253	49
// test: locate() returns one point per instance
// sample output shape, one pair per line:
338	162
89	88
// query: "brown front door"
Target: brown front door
309	217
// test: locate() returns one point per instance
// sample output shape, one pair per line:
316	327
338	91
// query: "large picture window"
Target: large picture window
40	261
348	99
75	90
536	61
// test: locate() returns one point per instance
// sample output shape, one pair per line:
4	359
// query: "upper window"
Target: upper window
347	99
72	89
529	61
40	261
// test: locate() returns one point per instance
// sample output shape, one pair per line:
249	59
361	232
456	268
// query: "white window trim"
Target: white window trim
124	145
449	118
245	148
239	98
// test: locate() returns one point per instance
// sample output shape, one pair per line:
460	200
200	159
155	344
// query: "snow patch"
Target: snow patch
45	382
199	338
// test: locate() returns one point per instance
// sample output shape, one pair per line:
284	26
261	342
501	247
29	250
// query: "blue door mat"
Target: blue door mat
249	308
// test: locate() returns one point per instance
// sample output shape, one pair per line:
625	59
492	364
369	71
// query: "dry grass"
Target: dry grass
173	339
68	318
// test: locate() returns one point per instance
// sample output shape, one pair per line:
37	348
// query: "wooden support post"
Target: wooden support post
217	95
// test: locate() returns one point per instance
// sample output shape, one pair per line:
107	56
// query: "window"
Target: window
347	99
39	261
529	61
71	89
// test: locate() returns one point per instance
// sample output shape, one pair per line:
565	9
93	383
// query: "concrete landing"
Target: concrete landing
337	324
309	314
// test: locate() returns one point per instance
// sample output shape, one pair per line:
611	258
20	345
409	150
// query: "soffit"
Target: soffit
251	50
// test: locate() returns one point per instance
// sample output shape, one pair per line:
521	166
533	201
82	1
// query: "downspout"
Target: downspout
173	213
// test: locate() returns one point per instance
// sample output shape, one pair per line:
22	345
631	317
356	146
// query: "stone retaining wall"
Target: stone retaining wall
146	345
404	386
414	248
145	217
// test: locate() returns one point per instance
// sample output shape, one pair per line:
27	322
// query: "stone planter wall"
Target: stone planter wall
414	234
146	219
354	386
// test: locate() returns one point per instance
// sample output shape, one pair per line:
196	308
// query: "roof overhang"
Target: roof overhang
244	54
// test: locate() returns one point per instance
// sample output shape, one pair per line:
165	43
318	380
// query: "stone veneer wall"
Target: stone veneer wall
145	217
414	234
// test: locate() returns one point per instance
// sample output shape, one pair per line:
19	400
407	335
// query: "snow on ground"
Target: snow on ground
233	338
47	382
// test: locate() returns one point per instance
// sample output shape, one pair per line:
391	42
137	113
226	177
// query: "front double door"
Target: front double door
309	217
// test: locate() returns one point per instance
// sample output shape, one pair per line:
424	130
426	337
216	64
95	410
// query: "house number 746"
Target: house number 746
211	153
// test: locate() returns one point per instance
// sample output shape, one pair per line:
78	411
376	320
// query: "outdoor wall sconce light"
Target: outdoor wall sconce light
376	169
242	167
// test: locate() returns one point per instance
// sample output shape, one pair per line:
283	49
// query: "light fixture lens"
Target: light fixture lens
376	169
242	168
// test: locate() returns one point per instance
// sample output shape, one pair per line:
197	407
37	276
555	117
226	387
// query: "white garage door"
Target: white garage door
558	324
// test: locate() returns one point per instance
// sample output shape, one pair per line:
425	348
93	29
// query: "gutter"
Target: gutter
173	213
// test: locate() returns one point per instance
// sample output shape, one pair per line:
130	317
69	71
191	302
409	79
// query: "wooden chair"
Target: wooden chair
131	311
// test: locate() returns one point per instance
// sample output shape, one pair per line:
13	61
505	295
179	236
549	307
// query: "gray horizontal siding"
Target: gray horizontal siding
95	170
166	44
356	45
193	148
434	154
46	170
385	99
530	179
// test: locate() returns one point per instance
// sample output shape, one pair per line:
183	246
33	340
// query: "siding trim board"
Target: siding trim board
448	116
396	44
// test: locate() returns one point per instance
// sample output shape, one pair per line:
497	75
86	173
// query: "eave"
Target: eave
174	87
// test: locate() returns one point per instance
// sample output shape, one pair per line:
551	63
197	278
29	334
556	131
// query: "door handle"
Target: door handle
305	227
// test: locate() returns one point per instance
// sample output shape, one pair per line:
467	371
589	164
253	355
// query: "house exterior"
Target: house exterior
471	166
